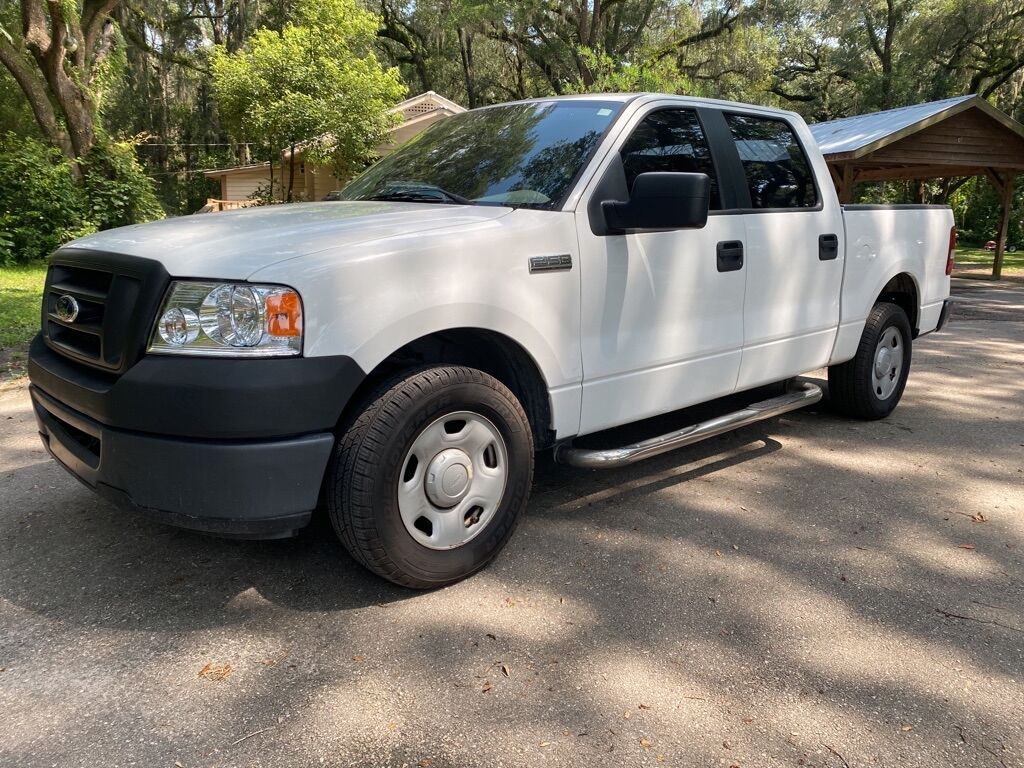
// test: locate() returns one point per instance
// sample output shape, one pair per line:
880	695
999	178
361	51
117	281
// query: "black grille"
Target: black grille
117	297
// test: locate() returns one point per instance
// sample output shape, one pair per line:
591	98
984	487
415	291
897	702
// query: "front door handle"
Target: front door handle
828	247
730	255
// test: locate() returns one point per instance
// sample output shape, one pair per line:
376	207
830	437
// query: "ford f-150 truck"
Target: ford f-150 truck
512	280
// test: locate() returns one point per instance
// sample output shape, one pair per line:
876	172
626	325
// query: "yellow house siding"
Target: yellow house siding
323	182
240	186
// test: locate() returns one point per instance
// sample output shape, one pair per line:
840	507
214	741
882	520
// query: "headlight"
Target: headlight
231	319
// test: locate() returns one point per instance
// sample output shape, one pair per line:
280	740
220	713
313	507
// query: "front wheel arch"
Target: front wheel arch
486	350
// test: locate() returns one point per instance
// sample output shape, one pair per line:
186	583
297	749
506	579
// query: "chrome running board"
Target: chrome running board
800	394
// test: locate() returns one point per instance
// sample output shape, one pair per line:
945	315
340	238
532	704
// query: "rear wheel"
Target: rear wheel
430	479
871	384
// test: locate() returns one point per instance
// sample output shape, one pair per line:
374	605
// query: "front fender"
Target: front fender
375	299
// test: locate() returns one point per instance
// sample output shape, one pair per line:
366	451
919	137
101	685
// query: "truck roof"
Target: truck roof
626	97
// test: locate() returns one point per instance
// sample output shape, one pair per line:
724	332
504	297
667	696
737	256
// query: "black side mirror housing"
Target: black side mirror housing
661	201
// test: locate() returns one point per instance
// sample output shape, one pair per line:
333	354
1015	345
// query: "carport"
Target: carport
960	137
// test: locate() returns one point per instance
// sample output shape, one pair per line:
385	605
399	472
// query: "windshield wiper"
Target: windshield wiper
412	197
416	192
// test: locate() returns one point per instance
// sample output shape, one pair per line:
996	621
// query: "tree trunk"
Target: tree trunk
466	51
291	172
35	92
65	46
270	194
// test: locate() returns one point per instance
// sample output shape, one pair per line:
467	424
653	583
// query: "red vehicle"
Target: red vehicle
991	246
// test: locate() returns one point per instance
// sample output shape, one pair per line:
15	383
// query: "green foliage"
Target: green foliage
41	206
977	209
118	190
15	114
315	81
612	76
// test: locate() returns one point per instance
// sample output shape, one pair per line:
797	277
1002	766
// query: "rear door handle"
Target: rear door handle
828	247
730	255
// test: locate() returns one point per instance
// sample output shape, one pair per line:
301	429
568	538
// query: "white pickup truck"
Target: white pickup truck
514	279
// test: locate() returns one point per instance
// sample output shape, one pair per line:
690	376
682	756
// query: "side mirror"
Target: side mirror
661	201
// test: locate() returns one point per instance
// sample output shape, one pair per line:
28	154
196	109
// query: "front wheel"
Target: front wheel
428	483
871	384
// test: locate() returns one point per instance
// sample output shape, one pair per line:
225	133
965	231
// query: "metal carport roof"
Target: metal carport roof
957	137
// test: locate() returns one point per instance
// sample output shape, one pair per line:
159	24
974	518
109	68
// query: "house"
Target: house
238	184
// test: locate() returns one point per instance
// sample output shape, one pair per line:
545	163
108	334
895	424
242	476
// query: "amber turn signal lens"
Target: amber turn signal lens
284	314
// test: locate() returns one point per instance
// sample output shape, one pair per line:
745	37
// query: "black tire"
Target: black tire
362	480
850	387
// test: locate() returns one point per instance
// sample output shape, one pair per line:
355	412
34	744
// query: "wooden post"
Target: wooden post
1006	202
846	184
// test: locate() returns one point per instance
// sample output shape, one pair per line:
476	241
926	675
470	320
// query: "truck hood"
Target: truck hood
235	244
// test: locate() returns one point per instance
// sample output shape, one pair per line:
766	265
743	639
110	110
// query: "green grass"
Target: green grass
979	256
21	292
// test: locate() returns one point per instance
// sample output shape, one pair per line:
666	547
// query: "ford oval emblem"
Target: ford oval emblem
66	309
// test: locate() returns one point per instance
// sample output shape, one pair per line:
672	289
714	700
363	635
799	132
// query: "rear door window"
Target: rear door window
777	171
669	140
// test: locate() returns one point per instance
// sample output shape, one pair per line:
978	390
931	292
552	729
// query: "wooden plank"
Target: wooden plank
955	131
995	179
920	171
938	158
993	146
956	149
962	144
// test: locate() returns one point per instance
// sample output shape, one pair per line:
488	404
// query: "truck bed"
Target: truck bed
882	240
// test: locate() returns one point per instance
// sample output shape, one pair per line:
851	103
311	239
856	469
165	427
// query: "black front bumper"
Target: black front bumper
235	447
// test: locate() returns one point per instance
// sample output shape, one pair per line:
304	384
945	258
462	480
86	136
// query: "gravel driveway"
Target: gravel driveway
809	591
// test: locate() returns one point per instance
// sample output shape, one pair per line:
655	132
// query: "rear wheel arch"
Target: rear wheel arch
902	290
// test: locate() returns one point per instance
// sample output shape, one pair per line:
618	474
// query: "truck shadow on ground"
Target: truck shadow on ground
120	561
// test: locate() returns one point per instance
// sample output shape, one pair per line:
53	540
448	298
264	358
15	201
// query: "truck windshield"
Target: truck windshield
521	155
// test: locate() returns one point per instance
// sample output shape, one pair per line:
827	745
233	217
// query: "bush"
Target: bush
41	206
117	189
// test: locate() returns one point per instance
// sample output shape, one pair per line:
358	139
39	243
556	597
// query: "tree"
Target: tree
59	62
316	83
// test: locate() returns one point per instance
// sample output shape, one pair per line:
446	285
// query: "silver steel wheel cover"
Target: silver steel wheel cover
887	364
452	480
